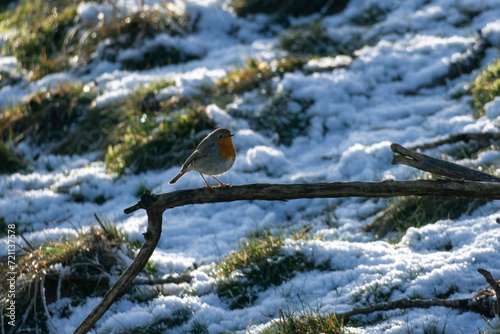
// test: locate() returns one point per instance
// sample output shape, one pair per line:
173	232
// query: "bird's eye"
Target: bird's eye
220	136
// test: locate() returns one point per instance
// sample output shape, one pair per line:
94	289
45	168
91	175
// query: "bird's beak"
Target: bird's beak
232	134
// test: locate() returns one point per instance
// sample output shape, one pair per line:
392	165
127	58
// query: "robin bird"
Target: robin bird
214	155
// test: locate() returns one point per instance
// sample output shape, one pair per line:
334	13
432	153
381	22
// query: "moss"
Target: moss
282	8
486	87
411	211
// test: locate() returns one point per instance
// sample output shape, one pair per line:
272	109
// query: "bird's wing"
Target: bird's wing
189	161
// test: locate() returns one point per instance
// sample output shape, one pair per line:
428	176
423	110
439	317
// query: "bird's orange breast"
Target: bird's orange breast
226	148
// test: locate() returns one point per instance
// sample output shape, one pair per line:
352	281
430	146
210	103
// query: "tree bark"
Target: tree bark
436	166
276	192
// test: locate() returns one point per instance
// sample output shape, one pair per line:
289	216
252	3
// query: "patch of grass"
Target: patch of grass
372	13
47	38
258	263
37	30
310	39
307	320
410	211
153	146
486	87
283	8
47	117
10	162
255	73
74	268
126	31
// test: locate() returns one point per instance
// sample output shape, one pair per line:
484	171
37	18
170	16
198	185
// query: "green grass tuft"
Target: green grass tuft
256	73
410	211
84	257
37	31
47	117
153	146
311	39
258	263
486	87
47	37
307	320
9	161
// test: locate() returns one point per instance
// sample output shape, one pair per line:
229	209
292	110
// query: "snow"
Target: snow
386	94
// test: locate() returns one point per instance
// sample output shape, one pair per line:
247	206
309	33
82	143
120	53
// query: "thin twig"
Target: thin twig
31	248
465	137
493	284
463	304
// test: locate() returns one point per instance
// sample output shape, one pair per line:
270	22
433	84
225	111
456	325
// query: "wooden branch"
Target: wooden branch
487	188
276	192
475	305
493	284
436	166
151	238
465	137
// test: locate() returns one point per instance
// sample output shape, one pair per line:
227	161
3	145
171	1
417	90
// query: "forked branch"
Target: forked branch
467	183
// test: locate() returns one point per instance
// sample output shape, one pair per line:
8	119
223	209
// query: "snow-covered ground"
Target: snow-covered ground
386	95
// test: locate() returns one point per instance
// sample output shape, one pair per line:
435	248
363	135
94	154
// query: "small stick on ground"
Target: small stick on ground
462	304
465	137
493	284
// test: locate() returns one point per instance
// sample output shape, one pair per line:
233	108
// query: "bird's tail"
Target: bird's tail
177	177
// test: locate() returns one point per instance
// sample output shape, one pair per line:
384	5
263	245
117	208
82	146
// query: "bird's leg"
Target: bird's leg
221	184
207	186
